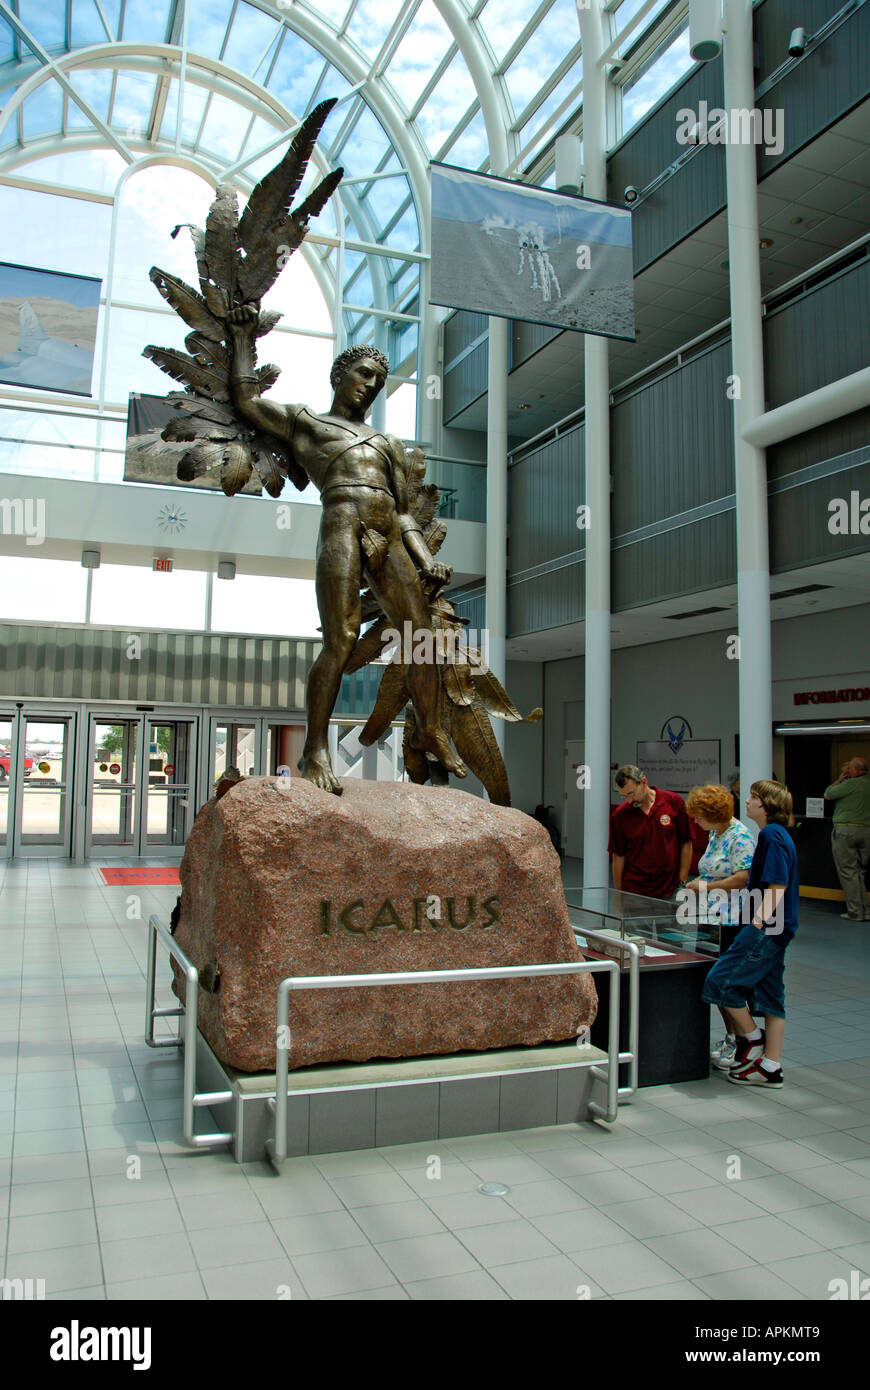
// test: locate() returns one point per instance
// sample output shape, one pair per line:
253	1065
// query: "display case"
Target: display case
651	923
674	1023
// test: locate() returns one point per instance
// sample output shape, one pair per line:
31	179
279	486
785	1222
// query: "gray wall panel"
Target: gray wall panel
67	663
687	560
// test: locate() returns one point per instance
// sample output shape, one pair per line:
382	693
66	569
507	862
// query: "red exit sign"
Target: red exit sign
163	566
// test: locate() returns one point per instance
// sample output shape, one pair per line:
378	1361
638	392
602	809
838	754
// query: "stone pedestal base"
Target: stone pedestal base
281	879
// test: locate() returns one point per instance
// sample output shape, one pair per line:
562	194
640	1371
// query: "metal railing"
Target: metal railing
277	1148
185	1037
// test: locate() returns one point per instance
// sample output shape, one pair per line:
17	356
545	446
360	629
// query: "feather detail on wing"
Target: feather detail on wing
222	239
458	685
271	199
267	376
434	536
393	695
267	467
209	353
208	380
199	460
188	304
426	504
201	405
475	743
197	236
237	468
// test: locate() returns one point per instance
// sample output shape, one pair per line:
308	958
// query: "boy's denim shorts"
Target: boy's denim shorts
750	974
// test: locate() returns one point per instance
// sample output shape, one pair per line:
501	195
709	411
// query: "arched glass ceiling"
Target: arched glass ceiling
216	83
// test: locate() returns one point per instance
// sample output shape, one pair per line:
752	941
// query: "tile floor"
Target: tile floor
700	1191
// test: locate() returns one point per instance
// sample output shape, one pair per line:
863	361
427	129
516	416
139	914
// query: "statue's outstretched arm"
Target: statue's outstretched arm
267	415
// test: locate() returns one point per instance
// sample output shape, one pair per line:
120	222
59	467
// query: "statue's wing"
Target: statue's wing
238	259
492	694
475	743
393	695
369	647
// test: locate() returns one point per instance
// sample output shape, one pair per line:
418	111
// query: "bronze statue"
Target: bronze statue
379	530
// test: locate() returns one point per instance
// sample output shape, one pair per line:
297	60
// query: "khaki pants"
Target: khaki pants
850	846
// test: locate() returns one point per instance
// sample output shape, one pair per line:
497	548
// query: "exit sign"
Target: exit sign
163	566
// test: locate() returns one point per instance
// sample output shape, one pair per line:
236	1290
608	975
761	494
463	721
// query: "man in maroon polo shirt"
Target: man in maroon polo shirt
650	837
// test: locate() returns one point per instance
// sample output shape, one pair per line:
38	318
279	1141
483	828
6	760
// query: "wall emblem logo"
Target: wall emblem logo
675	739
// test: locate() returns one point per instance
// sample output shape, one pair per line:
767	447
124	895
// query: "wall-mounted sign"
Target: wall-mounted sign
169	769
114	768
815	806
675	729
693	763
162	564
832	697
44	767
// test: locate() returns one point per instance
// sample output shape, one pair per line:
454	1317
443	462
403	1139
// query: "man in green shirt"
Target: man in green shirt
850	841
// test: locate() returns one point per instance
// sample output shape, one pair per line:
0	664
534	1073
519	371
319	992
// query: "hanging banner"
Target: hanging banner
48	327
521	252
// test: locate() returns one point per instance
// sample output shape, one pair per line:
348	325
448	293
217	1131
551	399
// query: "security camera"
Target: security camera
631	194
797	44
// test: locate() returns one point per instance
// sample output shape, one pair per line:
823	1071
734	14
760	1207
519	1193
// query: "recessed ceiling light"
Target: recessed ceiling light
795	221
764	243
524	405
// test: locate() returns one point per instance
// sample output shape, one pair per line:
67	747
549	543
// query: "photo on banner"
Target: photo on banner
521	252
147	459
48	328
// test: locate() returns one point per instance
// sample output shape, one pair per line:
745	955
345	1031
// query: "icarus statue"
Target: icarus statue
379	531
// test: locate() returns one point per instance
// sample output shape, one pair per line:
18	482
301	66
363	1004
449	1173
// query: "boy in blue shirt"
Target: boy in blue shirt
748	978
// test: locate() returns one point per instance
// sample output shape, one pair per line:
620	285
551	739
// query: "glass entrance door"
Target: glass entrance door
168	795
42	782
6	757
139	781
114	801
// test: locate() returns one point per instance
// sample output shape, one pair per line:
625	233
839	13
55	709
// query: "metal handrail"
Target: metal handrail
277	1148
630	1057
186	1036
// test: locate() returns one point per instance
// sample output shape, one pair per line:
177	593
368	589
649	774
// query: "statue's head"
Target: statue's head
351	356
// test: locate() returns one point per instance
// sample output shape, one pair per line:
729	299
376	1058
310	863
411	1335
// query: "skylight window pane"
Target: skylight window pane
447	105
147	21
563	89
251	34
335	11
365	146
87	28
627	10
98	170
405	236
372	21
29	223
225	128
472	148
419	53
42	112
556	35
134	98
658	79
5	40
384	197
503	21
45	22
296	71
95	86
207	26
195	98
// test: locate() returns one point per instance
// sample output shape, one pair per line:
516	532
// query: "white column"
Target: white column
496	505
753	560
596	821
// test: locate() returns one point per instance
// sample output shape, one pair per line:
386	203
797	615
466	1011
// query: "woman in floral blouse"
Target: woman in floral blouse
724	869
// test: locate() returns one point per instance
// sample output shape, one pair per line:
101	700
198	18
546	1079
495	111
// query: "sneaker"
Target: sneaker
724	1053
754	1074
747	1051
